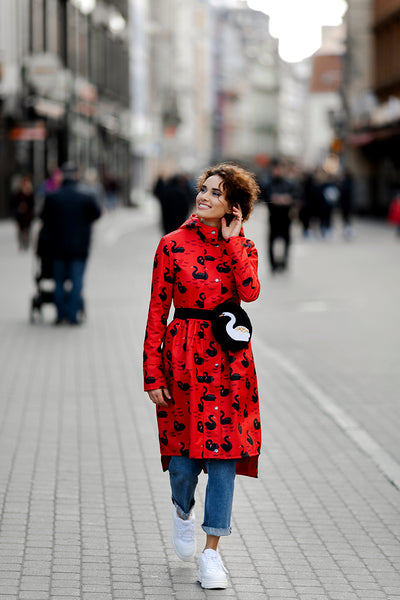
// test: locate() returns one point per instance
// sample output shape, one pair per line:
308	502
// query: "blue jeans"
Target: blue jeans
183	475
68	302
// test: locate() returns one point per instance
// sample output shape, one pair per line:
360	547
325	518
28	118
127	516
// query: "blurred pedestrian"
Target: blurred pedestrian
346	204
394	212
329	195
205	391
23	210
67	216
309	209
158	191
176	199
54	181
48	185
111	188
279	195
91	183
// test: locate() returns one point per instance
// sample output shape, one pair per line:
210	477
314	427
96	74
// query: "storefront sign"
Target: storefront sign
29	132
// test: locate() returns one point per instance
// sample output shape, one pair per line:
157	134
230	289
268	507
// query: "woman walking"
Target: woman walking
199	369
24	204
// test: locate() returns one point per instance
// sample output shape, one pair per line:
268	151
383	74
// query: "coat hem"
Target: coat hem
247	465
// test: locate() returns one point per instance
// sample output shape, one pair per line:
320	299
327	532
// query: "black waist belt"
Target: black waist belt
193	313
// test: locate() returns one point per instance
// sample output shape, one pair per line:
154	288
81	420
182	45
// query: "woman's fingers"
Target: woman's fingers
237	213
235	225
159	396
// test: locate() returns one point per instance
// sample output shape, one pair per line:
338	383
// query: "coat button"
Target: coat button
217	280
215	407
216	451
216	365
213	232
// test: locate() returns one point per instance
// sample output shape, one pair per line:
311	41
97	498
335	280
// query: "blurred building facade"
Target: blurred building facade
372	86
178	129
213	85
324	115
217	89
139	88
246	86
292	100
64	89
263	106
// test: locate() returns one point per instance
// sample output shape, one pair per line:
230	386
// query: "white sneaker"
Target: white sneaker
212	573
183	536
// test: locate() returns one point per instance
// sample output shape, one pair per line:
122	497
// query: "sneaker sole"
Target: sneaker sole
181	556
221	584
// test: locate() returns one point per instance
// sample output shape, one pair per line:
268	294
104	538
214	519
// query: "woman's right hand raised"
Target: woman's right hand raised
160	396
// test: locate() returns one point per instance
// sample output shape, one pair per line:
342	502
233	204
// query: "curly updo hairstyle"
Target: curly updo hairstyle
238	184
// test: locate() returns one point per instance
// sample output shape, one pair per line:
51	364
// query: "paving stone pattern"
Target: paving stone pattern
84	505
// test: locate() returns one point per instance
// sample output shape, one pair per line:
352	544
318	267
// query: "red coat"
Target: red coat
214	412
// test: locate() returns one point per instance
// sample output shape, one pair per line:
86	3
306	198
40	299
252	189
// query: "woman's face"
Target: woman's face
211	204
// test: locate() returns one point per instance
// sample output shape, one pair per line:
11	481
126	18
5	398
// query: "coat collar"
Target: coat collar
205	232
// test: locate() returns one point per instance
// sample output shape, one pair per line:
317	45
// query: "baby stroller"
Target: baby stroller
44	279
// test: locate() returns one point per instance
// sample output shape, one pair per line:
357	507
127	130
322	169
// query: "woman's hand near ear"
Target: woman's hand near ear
235	225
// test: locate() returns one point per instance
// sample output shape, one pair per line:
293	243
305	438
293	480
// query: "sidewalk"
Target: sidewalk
84	505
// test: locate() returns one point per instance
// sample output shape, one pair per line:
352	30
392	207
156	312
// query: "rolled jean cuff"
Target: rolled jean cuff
217	531
180	511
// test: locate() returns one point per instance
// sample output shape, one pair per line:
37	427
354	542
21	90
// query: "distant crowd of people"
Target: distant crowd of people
310	198
27	202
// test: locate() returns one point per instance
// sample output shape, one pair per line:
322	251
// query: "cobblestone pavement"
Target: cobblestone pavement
84	505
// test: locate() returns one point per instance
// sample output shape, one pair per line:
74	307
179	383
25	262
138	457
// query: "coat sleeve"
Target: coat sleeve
160	304
244	260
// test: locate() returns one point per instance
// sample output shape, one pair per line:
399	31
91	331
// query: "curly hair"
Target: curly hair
239	186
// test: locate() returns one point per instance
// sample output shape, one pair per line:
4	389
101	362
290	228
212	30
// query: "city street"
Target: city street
84	505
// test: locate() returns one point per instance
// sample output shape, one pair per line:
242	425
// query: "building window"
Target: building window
37	26
77	41
52	37
62	25
71	37
83	45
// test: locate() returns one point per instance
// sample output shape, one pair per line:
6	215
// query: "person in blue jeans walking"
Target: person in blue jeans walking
205	390
67	216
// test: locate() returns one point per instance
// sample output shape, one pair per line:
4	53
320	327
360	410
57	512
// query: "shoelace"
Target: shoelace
216	563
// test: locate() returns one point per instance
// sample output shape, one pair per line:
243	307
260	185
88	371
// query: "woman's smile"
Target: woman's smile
211	203
202	205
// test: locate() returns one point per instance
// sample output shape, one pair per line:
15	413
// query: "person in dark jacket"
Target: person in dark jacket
279	195
67	216
309	204
346	204
176	199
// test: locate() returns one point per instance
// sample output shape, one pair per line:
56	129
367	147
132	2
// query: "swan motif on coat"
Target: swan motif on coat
239	333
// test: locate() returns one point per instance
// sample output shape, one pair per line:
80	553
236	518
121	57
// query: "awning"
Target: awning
363	138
